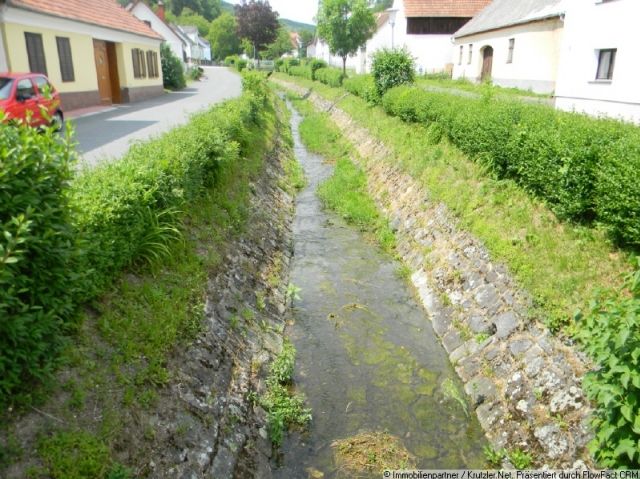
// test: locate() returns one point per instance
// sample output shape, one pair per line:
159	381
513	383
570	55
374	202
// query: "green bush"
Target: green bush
610	333
279	65
172	71
37	253
288	63
231	60
315	64
582	167
301	71
62	245
241	64
392	68
330	76
362	86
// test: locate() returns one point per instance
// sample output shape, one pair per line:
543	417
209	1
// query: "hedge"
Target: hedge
585	168
301	71
330	76
363	86
63	245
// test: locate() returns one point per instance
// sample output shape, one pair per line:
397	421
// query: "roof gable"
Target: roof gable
105	13
506	13
443	8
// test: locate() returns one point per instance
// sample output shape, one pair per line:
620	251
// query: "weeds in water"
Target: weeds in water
451	391
284	409
293	292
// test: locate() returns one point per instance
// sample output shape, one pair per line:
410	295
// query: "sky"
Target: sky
299	10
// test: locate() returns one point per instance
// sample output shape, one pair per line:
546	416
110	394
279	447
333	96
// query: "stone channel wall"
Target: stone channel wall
524	383
209	427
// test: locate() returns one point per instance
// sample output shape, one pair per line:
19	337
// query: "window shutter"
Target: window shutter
143	65
66	60
136	63
35	52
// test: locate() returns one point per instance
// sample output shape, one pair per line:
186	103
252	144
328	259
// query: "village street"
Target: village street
109	134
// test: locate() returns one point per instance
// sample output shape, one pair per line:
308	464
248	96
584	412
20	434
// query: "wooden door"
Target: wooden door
487	63
102	69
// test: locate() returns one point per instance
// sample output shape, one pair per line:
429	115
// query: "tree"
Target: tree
257	22
306	37
380	5
345	25
189	17
223	37
172	72
209	9
281	45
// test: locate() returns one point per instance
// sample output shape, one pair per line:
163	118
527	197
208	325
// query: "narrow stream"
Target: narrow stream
368	359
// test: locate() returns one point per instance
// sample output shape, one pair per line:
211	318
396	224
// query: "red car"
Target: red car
24	96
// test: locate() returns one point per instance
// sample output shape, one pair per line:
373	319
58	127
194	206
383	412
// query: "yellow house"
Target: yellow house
93	51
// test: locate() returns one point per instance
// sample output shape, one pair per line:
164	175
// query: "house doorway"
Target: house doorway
487	63
102	69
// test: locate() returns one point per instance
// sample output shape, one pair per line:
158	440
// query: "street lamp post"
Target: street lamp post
392	22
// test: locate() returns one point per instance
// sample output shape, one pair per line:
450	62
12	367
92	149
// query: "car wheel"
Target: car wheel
57	121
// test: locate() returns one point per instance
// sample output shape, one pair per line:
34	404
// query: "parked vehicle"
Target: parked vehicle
30	98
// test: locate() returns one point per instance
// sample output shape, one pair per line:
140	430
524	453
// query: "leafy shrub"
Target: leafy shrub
392	68
301	71
241	64
610	333
231	60
195	73
278	65
582	167
172	71
330	76
63	245
362	86
37	253
288	63
315	64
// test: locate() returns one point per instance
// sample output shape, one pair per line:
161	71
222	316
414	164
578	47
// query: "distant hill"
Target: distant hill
291	25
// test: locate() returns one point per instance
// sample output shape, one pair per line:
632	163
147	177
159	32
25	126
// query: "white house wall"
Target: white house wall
536	55
4	64
144	13
590	27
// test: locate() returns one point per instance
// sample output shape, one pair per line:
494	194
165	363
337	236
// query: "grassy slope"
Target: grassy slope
119	358
561	265
346	190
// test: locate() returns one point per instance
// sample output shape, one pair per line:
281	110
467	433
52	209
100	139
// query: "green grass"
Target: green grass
479	88
560	264
119	358
345	191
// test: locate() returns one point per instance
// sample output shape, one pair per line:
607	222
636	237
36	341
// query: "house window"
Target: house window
139	66
35	52
606	63
461	54
470	53
512	44
435	25
152	64
66	61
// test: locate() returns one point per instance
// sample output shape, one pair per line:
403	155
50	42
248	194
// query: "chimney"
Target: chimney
160	11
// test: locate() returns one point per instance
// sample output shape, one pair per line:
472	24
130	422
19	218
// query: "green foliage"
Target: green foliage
63	245
241	64
610	334
300	71
582	167
345	25
392	68
314	64
190	18
284	409
280	46
363	86
223	37
493	457
330	76
231	60
520	459
195	73
257	22
172	71
38	275
77	455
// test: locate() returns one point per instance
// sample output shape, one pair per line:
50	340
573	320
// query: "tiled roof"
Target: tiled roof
443	8
506	13
105	13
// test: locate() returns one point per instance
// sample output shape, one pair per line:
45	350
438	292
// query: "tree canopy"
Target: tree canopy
345	25
222	36
281	45
257	22
209	9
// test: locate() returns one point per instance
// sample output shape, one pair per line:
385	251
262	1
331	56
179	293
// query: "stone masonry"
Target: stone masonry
524	383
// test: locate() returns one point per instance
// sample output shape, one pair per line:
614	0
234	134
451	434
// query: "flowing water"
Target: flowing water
368	358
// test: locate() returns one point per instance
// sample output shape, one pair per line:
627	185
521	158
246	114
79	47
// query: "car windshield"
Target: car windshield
5	87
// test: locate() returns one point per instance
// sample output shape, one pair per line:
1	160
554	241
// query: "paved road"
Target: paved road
110	133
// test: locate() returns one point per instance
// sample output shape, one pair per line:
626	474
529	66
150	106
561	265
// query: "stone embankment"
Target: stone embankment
525	383
211	427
